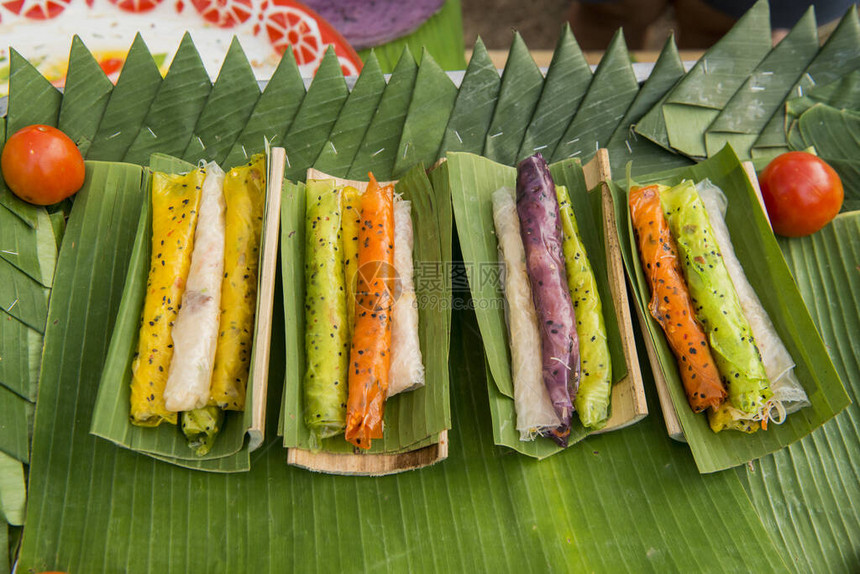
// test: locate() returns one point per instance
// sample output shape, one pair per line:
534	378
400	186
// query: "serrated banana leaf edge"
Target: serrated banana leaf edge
490	508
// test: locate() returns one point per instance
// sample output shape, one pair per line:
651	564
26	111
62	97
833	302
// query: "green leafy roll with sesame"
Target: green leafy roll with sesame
595	384
715	301
326	323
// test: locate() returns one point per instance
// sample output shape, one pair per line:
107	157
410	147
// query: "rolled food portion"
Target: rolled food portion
407	367
670	303
535	413
595	384
715	300
175	203
326	332
540	228
370	355
788	394
245	197
195	331
349	224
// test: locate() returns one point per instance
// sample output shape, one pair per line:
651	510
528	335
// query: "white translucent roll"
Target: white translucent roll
788	393
535	412
195	330
407	368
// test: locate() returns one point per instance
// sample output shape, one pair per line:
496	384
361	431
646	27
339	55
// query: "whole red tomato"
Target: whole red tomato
42	165
801	192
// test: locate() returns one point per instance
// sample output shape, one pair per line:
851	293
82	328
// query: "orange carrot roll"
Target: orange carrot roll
670	301
370	354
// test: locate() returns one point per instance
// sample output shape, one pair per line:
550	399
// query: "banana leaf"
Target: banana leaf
315	117
6	549
16	415
352	122
429	110
755	102
835	135
13	492
32	250
273	113
85	97
505	513
700	96
767	271
610	94
567	81
819	517
520	90
378	150
441	35
445	214
22	297
625	144
473	109
410	418
842	94
129	103
227	110
21	349
110	420
173	114
32	100
839	56
473	180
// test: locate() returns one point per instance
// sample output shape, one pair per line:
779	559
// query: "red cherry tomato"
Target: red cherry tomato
801	192
42	165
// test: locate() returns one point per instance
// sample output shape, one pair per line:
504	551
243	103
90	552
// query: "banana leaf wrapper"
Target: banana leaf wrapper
175	202
767	270
245	198
326	331
595	384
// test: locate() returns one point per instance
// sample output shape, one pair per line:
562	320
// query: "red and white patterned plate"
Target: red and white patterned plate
42	31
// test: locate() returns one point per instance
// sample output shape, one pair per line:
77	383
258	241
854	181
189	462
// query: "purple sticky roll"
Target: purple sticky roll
540	227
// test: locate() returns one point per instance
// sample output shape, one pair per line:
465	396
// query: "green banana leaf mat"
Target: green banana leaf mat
631	500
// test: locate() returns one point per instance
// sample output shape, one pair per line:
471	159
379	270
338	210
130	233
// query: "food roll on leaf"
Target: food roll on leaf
788	394
595	384
175	204
349	224
540	228
195	331
245	198
535	412
326	332
407	368
715	300
201	427
370	355
670	303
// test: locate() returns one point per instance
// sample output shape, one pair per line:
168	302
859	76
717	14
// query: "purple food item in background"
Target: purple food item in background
367	23
540	227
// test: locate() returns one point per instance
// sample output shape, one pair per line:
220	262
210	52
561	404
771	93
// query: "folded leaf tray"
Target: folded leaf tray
242	432
416	422
473	179
763	262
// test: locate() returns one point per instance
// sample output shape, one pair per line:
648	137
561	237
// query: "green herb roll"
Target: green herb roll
326	328
595	384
